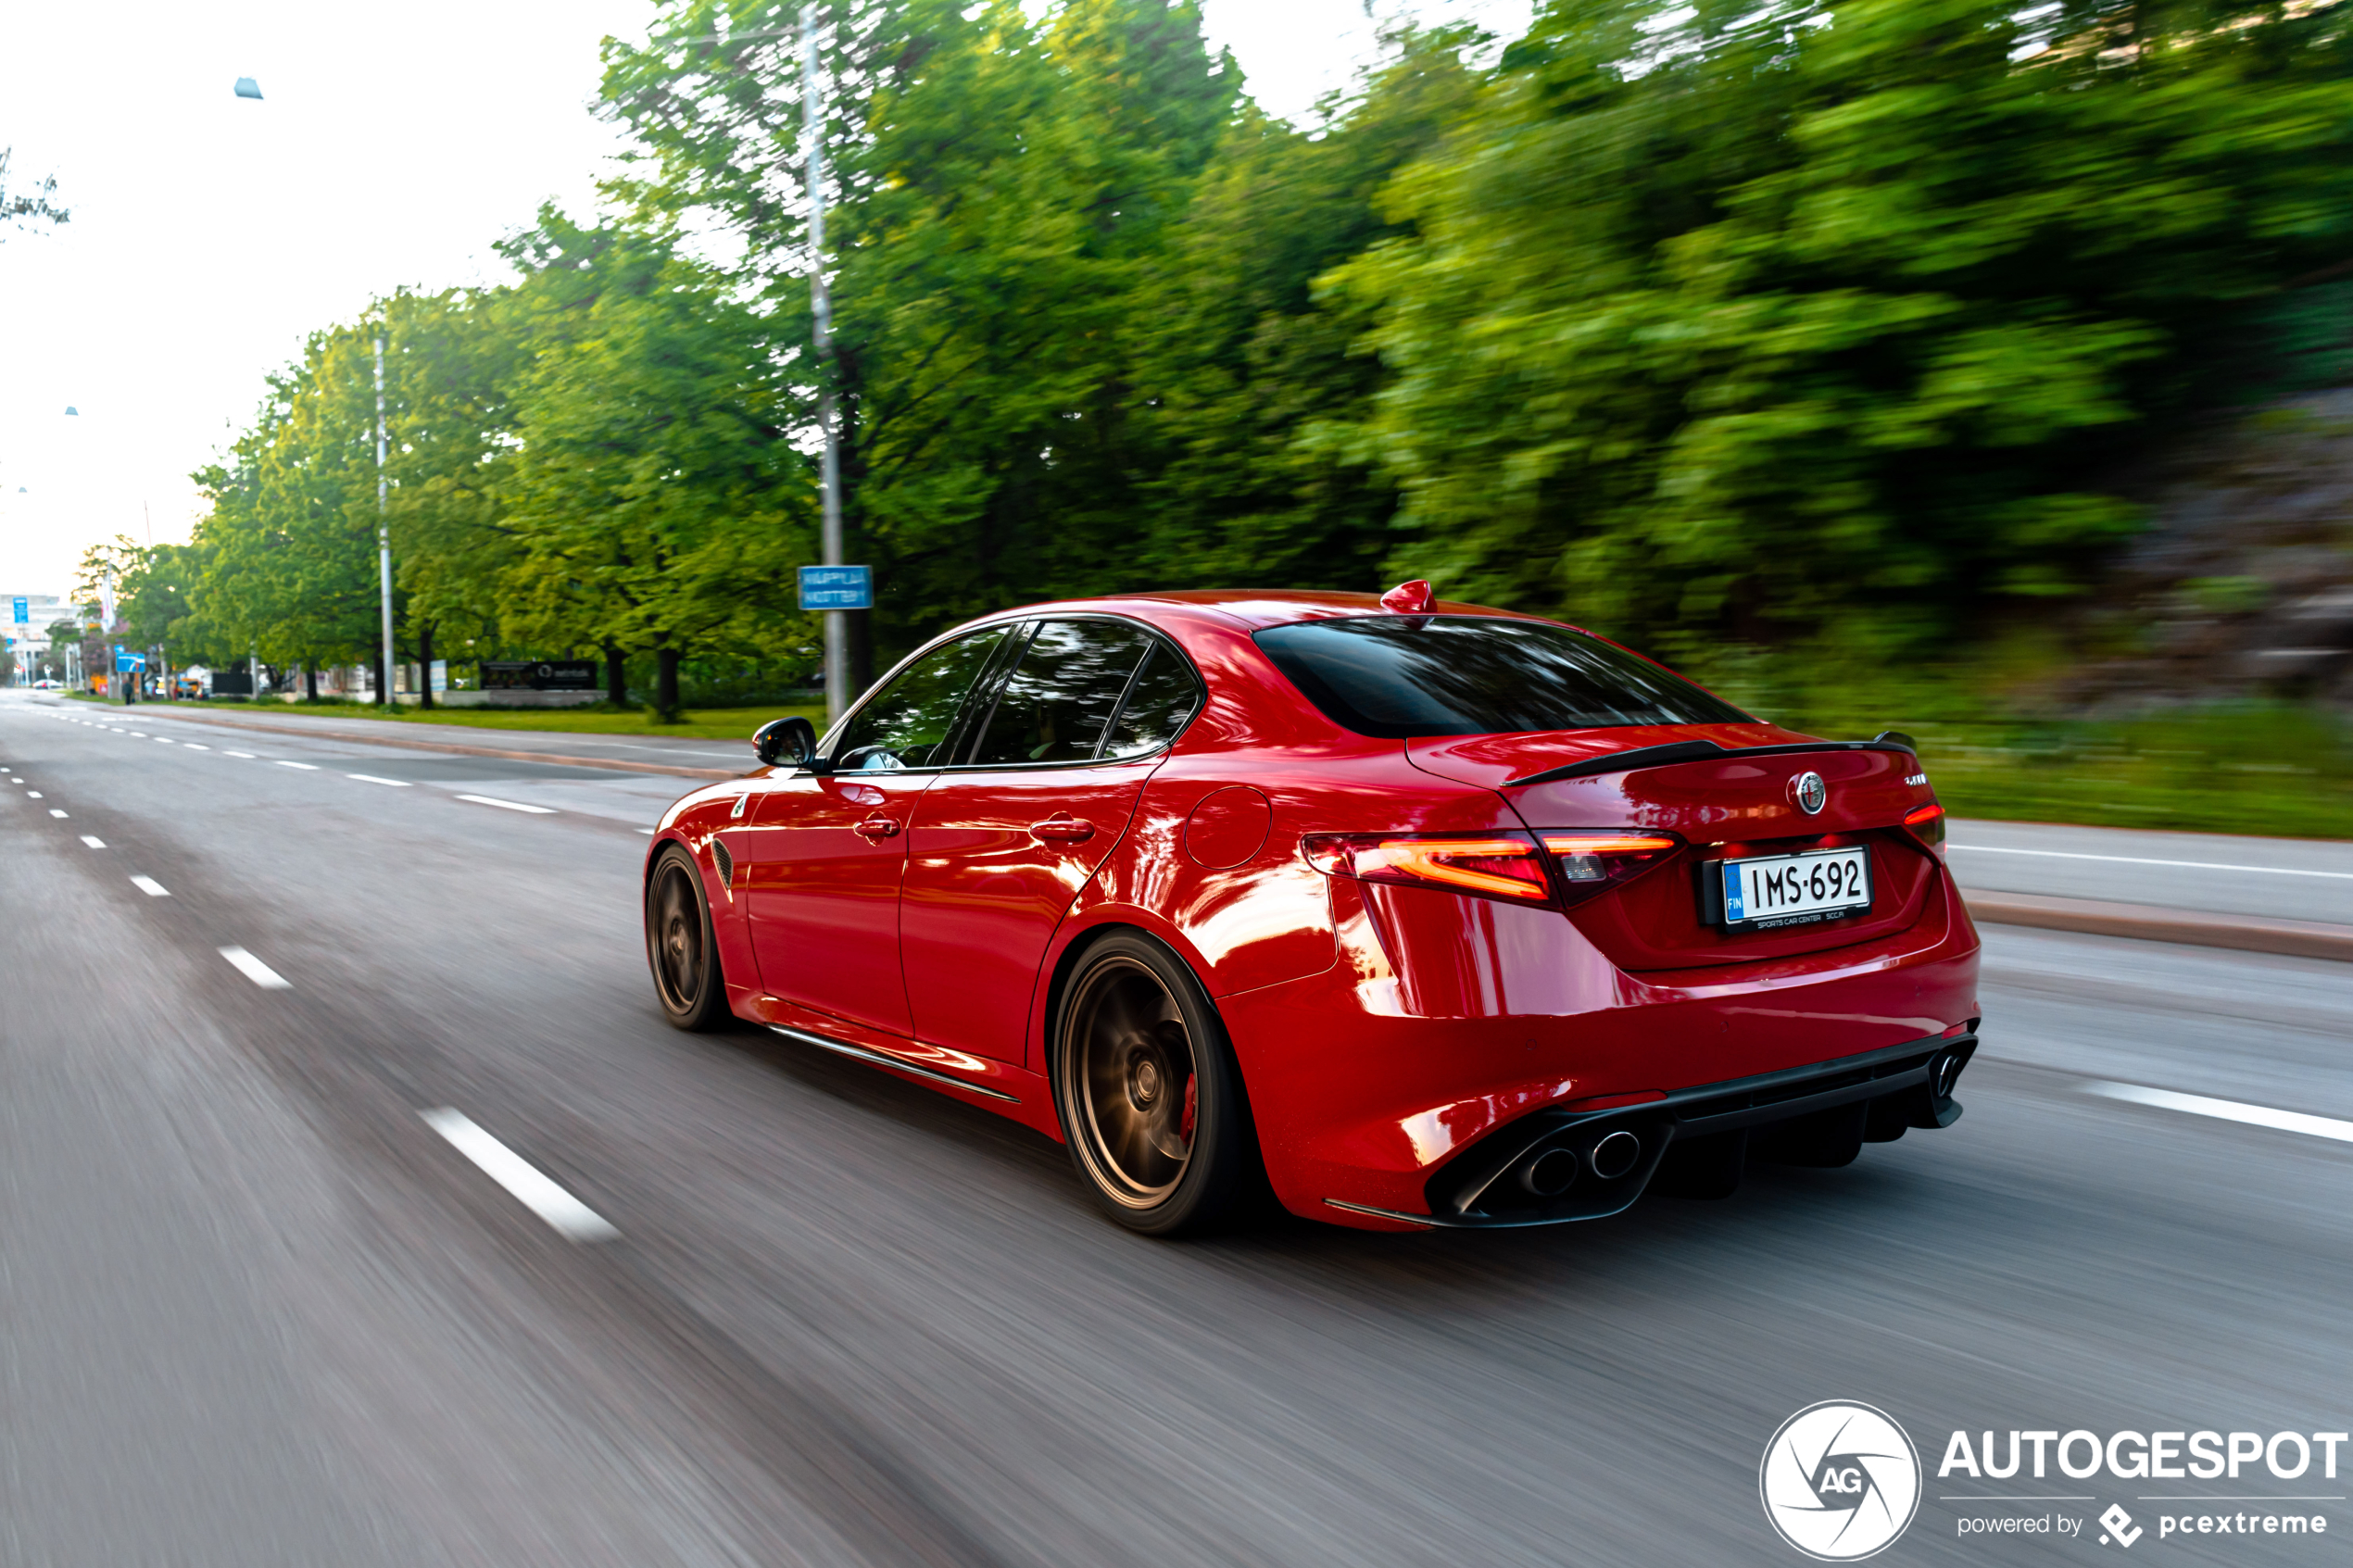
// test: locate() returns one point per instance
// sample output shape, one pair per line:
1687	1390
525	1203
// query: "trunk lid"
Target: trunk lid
1736	802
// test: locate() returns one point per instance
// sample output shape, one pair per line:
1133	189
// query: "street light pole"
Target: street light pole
821	306
384	532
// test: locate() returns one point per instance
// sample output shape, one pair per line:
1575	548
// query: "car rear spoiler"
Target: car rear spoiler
1707	751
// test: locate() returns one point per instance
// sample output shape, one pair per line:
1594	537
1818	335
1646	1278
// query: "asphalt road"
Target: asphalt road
257	1311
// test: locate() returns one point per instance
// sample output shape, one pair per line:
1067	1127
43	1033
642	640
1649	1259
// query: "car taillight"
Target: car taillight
1490	866
1590	863
1927	824
1507	866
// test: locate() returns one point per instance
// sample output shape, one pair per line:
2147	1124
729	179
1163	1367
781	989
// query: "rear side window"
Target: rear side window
1055	706
906	726
1408	675
1165	695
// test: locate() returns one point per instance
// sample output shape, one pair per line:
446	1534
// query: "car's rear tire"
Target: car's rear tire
679	947
1150	1097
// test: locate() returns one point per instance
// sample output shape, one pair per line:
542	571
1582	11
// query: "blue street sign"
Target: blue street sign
24	612
130	663
837	587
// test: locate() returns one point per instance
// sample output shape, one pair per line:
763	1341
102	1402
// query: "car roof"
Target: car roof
1254	607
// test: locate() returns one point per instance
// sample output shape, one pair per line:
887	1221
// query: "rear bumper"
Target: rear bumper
1367	1087
1907	1085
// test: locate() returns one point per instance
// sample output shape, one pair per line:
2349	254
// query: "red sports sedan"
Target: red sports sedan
1420	913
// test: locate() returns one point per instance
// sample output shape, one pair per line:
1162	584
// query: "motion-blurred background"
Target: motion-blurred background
1980	370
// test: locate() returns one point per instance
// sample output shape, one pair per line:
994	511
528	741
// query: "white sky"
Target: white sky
211	234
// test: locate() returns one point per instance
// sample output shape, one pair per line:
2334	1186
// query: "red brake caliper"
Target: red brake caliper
1192	1087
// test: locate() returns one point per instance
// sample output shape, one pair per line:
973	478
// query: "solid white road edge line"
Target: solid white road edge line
2227	1110
255	970
305	767
510	805
94	842
370	778
151	887
2140	861
529	1185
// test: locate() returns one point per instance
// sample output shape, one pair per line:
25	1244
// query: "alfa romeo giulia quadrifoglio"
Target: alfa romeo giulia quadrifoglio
1413	914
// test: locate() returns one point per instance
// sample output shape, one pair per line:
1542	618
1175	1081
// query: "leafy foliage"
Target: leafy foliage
1693	322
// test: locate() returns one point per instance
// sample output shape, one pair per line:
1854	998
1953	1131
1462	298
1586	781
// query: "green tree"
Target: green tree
652	496
1714	316
1247	370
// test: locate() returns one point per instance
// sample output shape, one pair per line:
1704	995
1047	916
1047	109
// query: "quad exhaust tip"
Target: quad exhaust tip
1614	1155
1551	1172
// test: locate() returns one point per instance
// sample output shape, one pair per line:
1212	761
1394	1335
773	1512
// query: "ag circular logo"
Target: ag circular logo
1810	793
1841	1481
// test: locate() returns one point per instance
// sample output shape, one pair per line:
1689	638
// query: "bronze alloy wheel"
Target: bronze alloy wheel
1145	1084
678	943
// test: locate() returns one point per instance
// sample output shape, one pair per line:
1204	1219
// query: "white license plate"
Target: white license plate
1791	889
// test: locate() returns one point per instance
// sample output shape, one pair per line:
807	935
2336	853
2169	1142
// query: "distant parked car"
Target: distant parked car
48	685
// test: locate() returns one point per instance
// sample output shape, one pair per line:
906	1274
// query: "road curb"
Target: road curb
613	764
2294	938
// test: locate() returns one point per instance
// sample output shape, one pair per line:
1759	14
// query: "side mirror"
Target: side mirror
789	740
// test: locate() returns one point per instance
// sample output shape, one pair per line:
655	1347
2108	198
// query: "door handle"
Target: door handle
878	828
1061	828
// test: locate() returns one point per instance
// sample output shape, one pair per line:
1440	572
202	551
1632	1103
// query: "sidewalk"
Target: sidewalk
2256	895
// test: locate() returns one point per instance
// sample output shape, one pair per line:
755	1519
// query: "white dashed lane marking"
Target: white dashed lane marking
510	805
370	778
32	794
2227	1110
247	755
305	767
195	746
92	842
521	1177
255	970
151	887
55	813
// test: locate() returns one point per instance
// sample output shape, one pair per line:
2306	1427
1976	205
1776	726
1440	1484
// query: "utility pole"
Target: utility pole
384	532
820	304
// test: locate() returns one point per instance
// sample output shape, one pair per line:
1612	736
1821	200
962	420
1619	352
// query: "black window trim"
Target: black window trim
993	677
830	740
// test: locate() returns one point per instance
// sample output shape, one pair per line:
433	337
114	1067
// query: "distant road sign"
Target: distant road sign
130	663
24	612
837	587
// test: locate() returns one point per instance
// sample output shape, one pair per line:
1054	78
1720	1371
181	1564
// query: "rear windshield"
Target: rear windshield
1403	675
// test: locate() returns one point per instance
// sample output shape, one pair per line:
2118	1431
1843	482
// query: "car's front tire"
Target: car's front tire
678	943
1150	1100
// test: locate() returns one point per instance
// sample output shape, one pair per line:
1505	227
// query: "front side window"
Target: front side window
1055	706
910	722
1405	675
